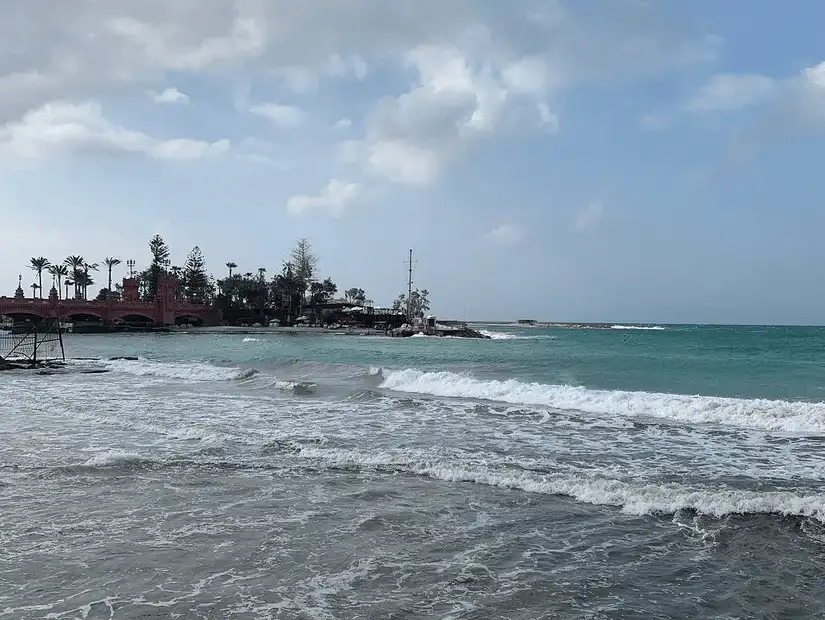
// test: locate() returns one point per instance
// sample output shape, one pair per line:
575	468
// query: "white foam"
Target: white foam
251	340
632	498
494	335
190	371
500	335
112	457
769	415
655	328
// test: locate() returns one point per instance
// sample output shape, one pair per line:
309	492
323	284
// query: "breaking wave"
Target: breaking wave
632	498
653	328
762	414
190	371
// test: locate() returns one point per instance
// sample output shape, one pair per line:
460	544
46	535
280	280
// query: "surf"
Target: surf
762	414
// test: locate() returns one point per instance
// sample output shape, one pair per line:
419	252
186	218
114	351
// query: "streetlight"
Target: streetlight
131	265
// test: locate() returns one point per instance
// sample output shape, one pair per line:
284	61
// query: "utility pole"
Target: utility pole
409	290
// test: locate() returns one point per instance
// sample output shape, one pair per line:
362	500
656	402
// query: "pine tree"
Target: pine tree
196	284
305	263
160	260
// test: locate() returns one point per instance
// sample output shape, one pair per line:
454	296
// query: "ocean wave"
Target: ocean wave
189	371
494	335
113	458
761	414
654	328
251	340
632	498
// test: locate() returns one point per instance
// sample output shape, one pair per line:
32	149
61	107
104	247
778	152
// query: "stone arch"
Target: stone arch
83	315
135	317
23	316
189	318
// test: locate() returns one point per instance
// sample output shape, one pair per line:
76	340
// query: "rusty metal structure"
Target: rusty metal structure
29	344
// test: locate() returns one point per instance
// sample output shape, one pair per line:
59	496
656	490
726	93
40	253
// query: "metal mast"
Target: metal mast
409	289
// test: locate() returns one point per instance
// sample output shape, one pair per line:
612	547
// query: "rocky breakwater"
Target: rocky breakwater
407	331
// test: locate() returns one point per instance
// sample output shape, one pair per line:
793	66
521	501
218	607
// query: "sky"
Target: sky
589	160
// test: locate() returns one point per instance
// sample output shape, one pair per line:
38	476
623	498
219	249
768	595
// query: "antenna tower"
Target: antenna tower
409	288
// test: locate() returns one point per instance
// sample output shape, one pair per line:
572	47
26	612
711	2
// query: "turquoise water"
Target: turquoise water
567	473
747	362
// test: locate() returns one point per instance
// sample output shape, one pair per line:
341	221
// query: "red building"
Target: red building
164	310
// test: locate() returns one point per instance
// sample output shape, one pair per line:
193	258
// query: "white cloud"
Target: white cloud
454	104
588	217
281	115
794	103
731	92
343	123
481	71
333	198
506	234
64	127
170	95
91	48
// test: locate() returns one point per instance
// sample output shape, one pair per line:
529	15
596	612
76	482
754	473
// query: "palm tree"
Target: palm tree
59	272
86	279
75	263
261	273
110	263
68	284
231	266
34	286
38	265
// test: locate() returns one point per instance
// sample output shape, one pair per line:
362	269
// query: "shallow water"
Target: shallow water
672	473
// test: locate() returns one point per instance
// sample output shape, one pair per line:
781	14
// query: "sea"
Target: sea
633	472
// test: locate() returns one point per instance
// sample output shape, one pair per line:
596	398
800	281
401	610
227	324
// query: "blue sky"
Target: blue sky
616	160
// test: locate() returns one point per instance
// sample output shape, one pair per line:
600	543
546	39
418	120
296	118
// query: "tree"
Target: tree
261	273
75	265
160	260
231	266
39	265
110	264
195	278
68	283
304	263
86	279
322	292
356	295
418	303
59	272
83	281
34	286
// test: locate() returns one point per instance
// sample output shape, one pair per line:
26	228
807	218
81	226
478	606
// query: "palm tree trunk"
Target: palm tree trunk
110	282
40	283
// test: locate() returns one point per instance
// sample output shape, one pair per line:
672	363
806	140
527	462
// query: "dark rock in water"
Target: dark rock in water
128	358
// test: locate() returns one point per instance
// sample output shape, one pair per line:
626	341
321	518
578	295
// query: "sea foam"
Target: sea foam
190	371
633	498
762	414
654	328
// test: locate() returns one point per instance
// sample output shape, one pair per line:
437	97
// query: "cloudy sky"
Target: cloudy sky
620	160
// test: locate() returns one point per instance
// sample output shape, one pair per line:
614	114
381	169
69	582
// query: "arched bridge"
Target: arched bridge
164	310
109	311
